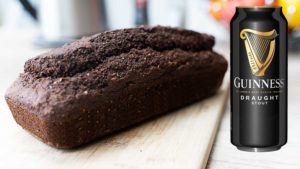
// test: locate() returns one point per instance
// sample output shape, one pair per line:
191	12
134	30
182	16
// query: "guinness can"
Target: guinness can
258	78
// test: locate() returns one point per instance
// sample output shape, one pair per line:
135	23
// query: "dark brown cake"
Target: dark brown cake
103	83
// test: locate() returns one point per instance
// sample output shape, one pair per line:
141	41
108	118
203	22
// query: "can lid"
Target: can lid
266	7
259	8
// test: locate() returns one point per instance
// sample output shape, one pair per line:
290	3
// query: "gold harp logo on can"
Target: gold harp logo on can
260	48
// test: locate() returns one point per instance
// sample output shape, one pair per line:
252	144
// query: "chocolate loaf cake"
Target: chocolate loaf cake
107	82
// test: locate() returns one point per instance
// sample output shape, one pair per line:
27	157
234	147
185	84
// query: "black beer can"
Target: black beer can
258	73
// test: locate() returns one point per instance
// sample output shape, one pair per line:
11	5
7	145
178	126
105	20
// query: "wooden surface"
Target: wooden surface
226	156
180	140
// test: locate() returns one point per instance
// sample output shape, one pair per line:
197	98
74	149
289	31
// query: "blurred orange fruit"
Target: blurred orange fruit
291	10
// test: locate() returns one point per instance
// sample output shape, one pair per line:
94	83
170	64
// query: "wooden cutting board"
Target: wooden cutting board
179	140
